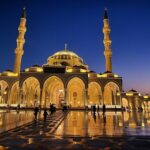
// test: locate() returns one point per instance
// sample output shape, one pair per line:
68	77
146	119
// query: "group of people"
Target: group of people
52	109
94	108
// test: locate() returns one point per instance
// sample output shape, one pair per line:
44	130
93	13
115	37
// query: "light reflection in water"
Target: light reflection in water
82	123
12	119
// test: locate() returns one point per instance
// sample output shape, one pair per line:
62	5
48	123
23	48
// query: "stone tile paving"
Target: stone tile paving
39	128
98	143
39	135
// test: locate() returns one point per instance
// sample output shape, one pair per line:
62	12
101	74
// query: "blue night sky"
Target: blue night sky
51	23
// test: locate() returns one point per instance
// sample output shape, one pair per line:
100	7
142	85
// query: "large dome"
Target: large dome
66	58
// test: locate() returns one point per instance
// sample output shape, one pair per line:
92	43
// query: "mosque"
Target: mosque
65	80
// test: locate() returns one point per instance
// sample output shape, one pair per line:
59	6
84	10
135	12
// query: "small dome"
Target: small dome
34	68
132	91
9	73
66	58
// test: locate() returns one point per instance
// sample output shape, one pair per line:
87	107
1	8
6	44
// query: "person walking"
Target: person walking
94	108
45	114
35	113
104	109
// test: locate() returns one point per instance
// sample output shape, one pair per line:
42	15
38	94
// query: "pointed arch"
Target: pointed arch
94	93
53	92
110	94
30	92
76	92
14	94
4	88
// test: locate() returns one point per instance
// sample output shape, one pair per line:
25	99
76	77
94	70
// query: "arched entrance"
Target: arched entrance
30	92
110	94
14	94
76	92
53	92
3	92
94	94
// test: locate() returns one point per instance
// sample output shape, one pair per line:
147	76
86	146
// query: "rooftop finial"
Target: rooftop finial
65	46
23	12
105	14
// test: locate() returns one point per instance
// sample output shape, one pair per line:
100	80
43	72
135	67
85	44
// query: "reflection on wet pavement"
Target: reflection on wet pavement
12	119
87	124
76	130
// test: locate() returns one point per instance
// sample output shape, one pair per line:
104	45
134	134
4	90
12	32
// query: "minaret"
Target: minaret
107	43
20	42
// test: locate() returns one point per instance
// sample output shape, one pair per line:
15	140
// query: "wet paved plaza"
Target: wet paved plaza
85	123
75	130
12	119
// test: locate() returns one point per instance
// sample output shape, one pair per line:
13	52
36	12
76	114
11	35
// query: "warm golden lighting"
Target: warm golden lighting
1	122
27	70
5	92
39	69
89	75
116	76
118	94
120	124
98	75
34	69
30	140
146	96
143	124
101	75
69	70
132	125
148	121
83	70
10	74
129	94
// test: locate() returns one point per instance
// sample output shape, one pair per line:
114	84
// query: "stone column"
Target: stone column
41	92
85	97
103	97
19	97
8	96
65	97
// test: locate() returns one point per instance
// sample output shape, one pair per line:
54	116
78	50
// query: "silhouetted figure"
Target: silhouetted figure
45	114
104	118
140	109
65	108
52	108
123	108
115	108
104	108
94	108
18	107
94	116
35	112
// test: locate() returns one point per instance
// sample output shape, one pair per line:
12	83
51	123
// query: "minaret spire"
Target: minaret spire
20	42
105	14
66	46
23	12
107	43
